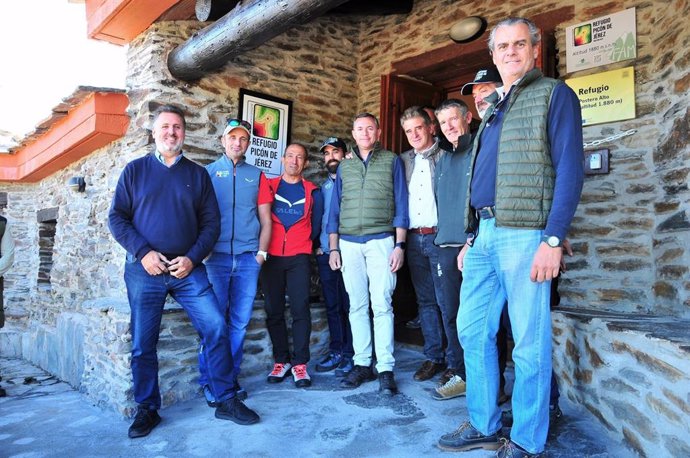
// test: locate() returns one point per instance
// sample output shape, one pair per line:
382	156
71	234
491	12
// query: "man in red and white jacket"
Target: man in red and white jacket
296	222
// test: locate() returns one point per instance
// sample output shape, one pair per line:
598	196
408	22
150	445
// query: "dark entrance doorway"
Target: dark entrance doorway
428	79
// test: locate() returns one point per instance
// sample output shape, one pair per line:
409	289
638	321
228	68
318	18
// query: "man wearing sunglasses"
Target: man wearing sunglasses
245	229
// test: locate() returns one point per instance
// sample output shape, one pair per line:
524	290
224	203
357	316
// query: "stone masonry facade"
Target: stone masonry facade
630	234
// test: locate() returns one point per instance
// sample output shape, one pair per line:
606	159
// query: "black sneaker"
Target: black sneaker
387	386
234	410
329	362
143	423
510	449
345	367
467	438
357	376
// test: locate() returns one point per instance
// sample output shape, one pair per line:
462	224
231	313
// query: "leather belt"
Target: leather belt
486	212
423	230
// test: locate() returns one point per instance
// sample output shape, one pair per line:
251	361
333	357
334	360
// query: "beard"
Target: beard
332	166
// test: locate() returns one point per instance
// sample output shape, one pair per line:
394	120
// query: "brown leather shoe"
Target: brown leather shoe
446	376
428	370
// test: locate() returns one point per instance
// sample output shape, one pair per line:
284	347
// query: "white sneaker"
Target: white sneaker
280	370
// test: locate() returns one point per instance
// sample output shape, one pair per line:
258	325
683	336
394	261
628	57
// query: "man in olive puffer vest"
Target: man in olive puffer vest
526	180
368	222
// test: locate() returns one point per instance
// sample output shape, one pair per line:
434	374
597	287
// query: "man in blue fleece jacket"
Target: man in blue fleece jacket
165	214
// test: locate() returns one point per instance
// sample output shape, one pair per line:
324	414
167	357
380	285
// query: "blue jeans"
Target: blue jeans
337	307
423	262
147	294
497	269
234	279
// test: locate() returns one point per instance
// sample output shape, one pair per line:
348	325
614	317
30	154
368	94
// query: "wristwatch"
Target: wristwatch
262	253
552	241
401	245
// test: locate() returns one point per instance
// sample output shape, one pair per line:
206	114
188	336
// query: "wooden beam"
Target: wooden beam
249	25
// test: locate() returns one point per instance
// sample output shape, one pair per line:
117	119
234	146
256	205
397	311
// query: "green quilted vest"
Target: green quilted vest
367	203
525	176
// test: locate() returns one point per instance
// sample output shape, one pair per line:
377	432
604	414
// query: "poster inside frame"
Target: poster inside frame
607	96
601	41
271	119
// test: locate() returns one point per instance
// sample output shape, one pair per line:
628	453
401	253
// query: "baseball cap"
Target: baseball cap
485	75
238	124
334	141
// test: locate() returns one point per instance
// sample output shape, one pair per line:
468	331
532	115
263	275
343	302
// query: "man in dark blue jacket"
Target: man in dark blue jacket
165	214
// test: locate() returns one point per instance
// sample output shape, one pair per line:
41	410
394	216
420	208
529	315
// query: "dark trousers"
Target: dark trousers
451	281
291	275
337	307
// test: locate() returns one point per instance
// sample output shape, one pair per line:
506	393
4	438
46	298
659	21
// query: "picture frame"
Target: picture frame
271	120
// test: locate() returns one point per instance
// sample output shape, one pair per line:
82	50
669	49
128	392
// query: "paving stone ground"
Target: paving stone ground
44	417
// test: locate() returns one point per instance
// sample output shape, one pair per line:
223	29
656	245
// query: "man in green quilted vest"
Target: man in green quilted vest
367	227
525	182
6	260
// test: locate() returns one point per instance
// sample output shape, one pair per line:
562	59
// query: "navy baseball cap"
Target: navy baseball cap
334	141
485	75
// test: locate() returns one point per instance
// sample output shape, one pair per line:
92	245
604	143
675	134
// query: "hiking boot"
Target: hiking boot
466	437
301	376
345	367
331	361
427	370
241	393
455	387
510	449
279	372
234	410
143	423
387	386
357	376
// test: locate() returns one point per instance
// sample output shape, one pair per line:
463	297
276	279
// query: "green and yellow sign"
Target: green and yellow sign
606	97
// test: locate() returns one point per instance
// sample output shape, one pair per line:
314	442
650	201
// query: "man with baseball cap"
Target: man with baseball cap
335	296
245	230
486	83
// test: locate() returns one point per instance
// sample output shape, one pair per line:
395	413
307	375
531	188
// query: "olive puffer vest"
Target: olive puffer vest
367	204
525	176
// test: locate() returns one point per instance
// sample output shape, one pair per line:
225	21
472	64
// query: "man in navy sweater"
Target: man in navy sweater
165	214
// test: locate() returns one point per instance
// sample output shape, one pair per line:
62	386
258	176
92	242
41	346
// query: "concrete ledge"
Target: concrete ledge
636	382
90	349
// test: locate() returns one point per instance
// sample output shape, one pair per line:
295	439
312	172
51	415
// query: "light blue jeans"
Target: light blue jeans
234	279
497	269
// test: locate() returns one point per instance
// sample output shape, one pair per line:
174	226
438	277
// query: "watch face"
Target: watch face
553	241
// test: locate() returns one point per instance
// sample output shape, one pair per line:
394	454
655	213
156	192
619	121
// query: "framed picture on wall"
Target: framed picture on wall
271	120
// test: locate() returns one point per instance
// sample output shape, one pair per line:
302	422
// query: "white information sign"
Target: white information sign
602	41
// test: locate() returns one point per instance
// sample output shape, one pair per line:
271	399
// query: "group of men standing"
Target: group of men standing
480	218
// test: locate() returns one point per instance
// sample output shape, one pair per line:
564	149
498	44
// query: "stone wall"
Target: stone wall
631	231
76	326
632	374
